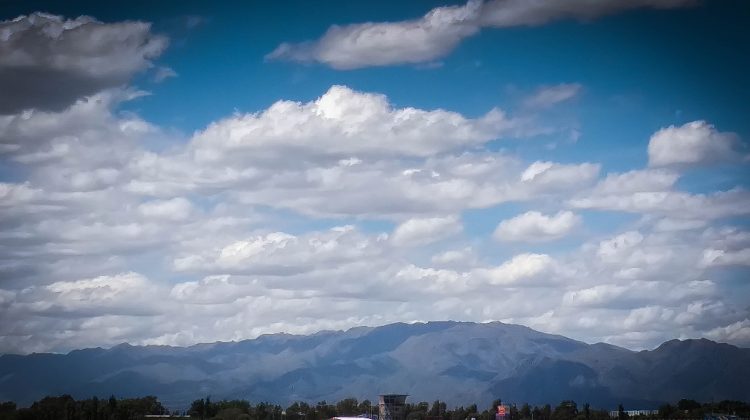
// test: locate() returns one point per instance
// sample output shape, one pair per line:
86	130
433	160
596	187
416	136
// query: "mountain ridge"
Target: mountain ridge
460	362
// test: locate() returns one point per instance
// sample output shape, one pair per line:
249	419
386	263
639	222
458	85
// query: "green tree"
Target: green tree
347	407
8	411
567	410
525	412
198	409
112	406
688	405
95	408
665	411
546	413
621	414
438	409
365	407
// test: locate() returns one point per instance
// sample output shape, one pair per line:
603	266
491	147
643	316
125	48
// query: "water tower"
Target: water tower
392	406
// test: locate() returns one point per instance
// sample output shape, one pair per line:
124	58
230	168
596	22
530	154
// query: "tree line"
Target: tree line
66	408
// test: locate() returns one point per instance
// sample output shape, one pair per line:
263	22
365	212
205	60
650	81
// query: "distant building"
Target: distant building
720	416
391	406
363	416
632	413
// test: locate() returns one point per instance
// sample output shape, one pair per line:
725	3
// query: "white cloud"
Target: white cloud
123	294
72	140
163	73
283	254
344	123
534	226
548	96
720	257
616	248
551	176
738	332
215	289
455	258
94	191
414	232
669	224
354	155
598	295
651	192
639	318
711	206
439	31
103	288
633	293
381	44
696	142
522	267
341	278
438	282
177	209
639	180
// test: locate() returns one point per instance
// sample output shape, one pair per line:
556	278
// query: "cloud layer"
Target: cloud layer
438	32
346	210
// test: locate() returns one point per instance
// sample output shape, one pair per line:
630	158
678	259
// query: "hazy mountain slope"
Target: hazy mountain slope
457	362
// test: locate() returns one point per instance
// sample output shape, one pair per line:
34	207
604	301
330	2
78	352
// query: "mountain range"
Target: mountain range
457	362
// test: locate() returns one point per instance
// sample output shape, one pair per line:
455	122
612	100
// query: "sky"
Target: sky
179	172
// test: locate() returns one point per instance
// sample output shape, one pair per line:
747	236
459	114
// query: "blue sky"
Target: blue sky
233	161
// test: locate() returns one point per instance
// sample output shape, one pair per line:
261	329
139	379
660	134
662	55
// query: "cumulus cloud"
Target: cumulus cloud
108	195
355	154
48	62
521	268
534	226
280	253
710	206
738	332
425	230
436	282
638	180
346	123
72	140
642	286
439	31
651	192
112	291
694	143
